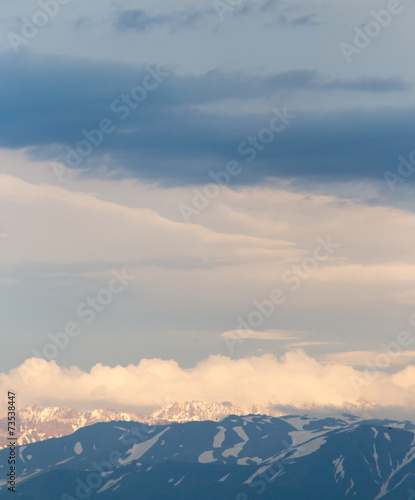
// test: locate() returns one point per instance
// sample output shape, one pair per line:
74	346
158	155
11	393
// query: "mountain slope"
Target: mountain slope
237	458
38	423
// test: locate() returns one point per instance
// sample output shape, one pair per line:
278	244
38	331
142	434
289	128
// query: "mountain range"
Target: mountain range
37	423
236	458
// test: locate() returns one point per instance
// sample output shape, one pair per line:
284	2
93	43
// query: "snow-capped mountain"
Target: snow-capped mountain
37	423
238	458
200	411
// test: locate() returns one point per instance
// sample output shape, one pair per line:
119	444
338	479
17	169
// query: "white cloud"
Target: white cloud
264	335
90	220
230	259
384	273
311	343
49	224
364	358
296	379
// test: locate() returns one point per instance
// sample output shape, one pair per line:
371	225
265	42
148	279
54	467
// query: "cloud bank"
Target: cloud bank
186	126
295	380
246	246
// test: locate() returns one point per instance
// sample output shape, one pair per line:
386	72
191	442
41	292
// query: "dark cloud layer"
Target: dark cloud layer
140	20
46	103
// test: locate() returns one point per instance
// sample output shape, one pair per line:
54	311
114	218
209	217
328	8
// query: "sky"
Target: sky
210	202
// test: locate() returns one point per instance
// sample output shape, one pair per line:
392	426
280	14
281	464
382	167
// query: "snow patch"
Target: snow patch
138	450
241	433
219	438
257	473
249	419
110	483
300	437
235	450
297	422
224	478
78	448
339	469
206	457
351	486
179	481
245	460
376	456
21	450
59	463
308	447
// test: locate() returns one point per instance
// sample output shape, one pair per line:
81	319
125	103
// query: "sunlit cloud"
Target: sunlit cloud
294	379
264	335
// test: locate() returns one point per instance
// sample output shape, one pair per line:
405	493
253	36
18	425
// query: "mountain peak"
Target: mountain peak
37	423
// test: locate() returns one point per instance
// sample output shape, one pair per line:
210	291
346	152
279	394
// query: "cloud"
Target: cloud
57	225
264	335
386	273
139	20
368	85
60	98
295	379
305	20
188	18
261	228
311	343
65	239
364	358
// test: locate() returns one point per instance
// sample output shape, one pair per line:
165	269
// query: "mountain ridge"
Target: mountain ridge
240	457
38	423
